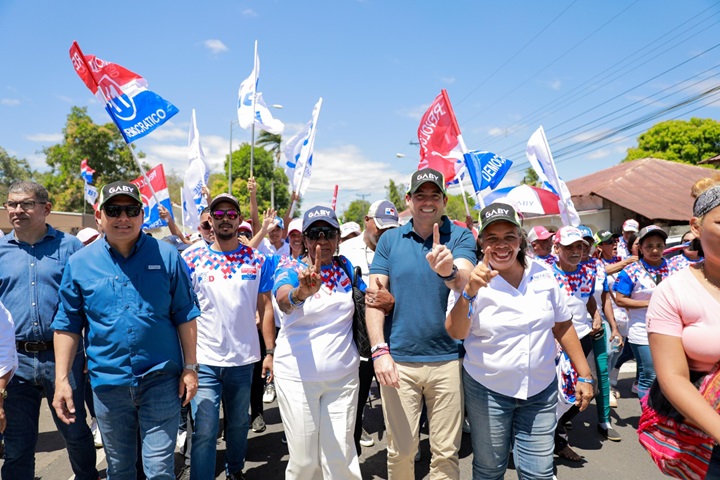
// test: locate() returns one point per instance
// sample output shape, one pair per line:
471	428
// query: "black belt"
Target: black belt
33	347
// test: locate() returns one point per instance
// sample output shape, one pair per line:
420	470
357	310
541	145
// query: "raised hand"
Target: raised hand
440	257
310	280
481	275
252	185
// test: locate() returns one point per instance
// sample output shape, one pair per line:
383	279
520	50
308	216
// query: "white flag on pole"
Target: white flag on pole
251	107
540	158
91	194
196	177
299	152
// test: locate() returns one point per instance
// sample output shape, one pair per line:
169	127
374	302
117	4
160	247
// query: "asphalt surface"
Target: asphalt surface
267	455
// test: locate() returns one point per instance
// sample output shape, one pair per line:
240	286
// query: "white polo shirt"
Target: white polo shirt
511	347
359	254
227	285
268	248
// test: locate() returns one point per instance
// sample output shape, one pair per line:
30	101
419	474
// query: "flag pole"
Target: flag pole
252	134
142	170
463	148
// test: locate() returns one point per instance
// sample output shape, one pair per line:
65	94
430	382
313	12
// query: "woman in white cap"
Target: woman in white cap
684	321
510	314
634	287
315	360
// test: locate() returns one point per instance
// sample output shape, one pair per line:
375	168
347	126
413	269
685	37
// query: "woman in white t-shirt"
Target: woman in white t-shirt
683	321
315	360
510	314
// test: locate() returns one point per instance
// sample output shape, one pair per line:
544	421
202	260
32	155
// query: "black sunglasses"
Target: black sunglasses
205	225
328	232
245	233
115	211
230	214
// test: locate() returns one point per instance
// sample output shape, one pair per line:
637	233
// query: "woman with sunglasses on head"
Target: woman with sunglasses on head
684	321
634	287
316	361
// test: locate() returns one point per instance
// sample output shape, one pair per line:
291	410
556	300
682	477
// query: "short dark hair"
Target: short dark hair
40	192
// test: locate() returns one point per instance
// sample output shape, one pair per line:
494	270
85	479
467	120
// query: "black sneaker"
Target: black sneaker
235	476
609	433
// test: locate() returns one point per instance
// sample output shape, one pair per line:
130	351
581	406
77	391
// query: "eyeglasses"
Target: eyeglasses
230	214
328	232
115	211
205	225
26	205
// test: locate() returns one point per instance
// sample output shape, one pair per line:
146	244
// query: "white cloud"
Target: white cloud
37	161
555	84
10	102
447	80
598	154
415	113
215	46
496	132
45	137
170	132
249	12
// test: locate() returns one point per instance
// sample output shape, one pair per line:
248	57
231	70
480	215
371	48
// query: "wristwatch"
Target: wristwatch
195	367
270	351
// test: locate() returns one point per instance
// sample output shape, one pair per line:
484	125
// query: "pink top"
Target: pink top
682	307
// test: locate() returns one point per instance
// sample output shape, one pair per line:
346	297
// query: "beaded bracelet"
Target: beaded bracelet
380	352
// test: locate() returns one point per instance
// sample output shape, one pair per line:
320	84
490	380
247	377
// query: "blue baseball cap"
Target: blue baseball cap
586	232
320	214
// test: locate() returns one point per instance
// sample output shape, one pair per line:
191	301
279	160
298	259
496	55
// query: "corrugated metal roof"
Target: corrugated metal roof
656	189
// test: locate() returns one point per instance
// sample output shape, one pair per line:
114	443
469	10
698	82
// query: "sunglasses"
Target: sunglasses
205	225
328	232
115	211
230	214
245	233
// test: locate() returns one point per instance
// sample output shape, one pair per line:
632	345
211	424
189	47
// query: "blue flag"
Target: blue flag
486	169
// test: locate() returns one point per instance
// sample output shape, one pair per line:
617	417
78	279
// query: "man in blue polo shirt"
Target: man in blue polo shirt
132	295
33	256
415	359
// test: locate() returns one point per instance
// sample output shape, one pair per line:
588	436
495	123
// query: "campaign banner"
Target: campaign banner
91	194
196	177
438	137
251	107
156	176
135	110
486	169
299	154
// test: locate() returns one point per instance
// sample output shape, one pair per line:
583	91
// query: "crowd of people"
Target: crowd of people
467	328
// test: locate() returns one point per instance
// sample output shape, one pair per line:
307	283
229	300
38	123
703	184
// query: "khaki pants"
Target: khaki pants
440	385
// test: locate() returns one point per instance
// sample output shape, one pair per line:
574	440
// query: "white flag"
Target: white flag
264	119
251	106
91	194
540	158
299	152
196	177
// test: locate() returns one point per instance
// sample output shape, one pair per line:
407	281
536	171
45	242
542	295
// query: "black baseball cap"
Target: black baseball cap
115	189
427	175
496	212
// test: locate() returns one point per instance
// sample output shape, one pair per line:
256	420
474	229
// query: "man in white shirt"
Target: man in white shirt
231	281
274	243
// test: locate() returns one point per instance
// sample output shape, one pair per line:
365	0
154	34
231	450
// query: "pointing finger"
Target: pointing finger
379	284
318	252
486	256
436	235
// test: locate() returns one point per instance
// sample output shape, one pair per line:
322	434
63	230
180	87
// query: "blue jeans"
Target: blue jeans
232	385
645	368
34	380
153	409
500	422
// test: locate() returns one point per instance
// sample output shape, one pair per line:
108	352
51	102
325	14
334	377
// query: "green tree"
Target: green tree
531	178
270	142
12	170
356	212
174	183
686	141
103	147
264	169
455	208
396	195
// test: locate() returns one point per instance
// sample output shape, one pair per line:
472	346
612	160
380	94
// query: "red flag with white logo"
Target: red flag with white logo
438	136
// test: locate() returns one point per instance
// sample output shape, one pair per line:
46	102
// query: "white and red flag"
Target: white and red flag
438	136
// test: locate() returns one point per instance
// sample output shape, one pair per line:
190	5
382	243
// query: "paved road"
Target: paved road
267	455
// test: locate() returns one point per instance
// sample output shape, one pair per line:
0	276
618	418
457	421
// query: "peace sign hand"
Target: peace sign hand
310	280
440	257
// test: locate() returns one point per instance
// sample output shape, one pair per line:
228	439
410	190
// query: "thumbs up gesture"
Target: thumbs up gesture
379	297
440	257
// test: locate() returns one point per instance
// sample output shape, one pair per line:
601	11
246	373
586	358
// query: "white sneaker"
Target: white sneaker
180	441
613	400
269	395
95	430
614	377
366	440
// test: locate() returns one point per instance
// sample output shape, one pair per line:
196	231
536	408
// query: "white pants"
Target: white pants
319	421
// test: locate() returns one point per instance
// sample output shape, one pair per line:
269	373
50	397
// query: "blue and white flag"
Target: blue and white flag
540	158
91	194
251	107
486	169
156	176
196	177
299	154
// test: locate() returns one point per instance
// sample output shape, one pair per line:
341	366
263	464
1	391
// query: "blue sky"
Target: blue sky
580	69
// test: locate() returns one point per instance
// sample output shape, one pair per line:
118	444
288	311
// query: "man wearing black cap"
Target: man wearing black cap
232	282
415	359
131	293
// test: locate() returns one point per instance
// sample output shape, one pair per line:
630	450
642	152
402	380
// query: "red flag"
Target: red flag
334	199
437	135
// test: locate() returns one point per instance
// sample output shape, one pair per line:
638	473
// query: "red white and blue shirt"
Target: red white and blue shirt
578	286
